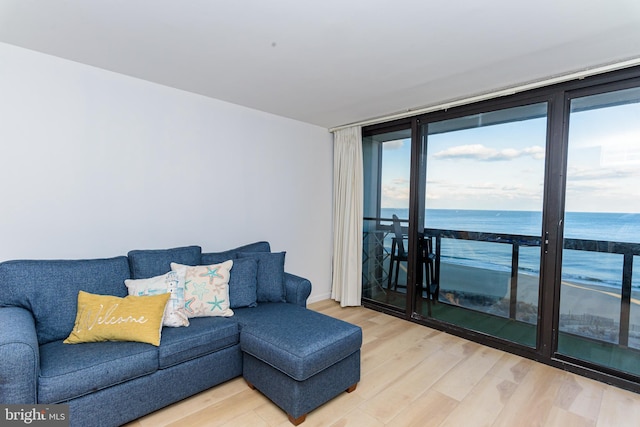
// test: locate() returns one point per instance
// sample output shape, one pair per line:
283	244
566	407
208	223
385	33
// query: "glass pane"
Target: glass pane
387	162
599	315
484	188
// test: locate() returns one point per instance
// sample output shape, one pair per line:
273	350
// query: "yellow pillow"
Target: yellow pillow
109	318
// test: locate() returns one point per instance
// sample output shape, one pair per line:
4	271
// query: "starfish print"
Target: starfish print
187	305
199	290
212	273
216	304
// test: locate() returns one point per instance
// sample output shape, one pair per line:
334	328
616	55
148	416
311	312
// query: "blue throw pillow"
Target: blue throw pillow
218	257
270	275
243	283
156	262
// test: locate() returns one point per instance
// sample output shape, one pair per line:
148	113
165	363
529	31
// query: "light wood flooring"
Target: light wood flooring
416	376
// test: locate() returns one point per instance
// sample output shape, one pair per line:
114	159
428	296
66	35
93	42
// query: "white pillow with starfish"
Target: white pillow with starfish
206	289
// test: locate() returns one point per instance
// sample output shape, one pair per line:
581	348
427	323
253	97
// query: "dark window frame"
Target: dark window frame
558	97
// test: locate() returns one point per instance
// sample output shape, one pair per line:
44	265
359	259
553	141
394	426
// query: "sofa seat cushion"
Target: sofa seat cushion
203	336
70	371
294	340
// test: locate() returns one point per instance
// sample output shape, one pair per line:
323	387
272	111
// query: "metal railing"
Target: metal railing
516	241
627	250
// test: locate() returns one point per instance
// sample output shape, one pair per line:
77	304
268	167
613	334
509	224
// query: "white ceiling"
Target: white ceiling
330	62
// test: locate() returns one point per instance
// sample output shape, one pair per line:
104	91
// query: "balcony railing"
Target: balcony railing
377	251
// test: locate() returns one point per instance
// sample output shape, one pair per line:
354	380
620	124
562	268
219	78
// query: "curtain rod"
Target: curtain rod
495	94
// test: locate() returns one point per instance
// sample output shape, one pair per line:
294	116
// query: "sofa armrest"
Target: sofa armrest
20	356
296	289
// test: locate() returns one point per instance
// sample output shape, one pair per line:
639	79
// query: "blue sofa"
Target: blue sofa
298	358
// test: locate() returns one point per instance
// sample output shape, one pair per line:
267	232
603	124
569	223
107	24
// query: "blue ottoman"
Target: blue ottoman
300	359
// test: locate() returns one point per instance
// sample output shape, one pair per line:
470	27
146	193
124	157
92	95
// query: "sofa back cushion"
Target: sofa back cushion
243	283
49	289
146	263
270	275
218	257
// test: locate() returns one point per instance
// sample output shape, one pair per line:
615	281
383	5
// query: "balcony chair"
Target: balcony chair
426	260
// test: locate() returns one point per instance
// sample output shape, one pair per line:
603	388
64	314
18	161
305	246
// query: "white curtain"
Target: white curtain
347	216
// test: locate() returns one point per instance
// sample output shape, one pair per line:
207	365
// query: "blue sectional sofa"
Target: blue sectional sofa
298	358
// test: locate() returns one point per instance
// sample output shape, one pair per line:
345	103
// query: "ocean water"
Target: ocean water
578	266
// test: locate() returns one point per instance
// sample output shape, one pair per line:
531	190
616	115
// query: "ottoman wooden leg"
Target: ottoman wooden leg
297	421
251	386
352	388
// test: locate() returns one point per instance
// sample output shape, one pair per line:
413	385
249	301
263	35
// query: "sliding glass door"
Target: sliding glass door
515	222
484	192
599	319
387	165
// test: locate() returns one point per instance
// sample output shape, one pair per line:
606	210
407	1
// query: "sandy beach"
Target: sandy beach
576	299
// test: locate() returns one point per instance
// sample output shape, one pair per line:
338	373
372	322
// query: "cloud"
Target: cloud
482	186
396	194
477	194
589	188
480	152
536	152
599	196
400	181
393	145
580	174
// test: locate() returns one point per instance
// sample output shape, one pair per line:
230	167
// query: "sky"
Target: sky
501	167
603	167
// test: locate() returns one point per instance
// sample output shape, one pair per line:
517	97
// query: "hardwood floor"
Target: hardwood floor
416	376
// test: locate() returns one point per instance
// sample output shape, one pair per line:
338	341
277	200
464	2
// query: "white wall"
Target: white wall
94	163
